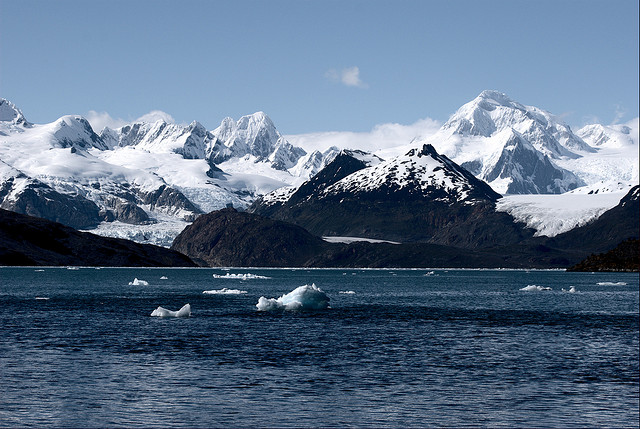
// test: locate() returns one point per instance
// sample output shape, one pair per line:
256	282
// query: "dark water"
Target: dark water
456	348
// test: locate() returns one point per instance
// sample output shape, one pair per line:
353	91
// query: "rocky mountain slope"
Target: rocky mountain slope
419	197
27	240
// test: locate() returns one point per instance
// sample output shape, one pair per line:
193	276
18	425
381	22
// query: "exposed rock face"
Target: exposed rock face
27	240
231	238
38	199
625	257
172	199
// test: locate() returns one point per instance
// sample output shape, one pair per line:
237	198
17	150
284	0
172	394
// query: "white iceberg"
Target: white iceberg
347	292
185	311
572	289
532	288
612	284
301	298
164	278
224	291
137	282
247	276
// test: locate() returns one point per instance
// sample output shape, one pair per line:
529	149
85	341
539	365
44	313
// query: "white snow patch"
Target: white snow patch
348	240
301	298
185	311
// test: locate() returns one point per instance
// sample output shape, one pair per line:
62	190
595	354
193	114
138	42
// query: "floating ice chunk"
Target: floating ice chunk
612	284
164	278
347	292
39	271
572	289
301	298
224	291
44	298
531	288
247	276
73	268
137	282
185	311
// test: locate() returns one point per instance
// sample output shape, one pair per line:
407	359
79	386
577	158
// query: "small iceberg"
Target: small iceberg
185	311
347	292
247	276
42	298
535	288
39	271
137	282
224	291
572	289
301	298
430	273
612	284
164	278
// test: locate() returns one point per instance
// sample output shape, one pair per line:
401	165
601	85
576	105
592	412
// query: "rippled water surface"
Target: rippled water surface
78	348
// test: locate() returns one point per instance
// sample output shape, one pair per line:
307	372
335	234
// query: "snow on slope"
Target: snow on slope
551	215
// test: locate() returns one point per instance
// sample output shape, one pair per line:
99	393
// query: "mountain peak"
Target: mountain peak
10	113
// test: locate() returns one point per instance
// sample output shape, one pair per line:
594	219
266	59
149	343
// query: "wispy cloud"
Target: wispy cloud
385	139
99	120
619	114
349	76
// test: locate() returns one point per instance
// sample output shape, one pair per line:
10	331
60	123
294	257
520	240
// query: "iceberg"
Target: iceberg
164	278
347	292
137	282
572	289
247	276
185	311
531	288
301	298
224	291
611	284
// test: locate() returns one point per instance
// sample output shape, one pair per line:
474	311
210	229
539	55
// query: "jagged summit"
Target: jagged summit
11	114
421	172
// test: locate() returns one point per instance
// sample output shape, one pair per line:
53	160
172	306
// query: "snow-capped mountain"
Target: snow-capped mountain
145	180
420	196
515	148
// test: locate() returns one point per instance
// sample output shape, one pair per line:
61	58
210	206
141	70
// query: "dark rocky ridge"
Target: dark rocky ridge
27	240
625	257
230	238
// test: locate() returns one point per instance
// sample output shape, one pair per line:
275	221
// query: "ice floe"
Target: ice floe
43	298
224	291
531	288
164	278
185	311
572	289
612	284
137	282
347	292
301	298
247	276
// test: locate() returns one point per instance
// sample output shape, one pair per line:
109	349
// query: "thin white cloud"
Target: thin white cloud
156	115
349	76
384	139
99	120
619	114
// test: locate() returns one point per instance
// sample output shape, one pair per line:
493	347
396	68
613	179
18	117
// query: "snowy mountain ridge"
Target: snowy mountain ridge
157	176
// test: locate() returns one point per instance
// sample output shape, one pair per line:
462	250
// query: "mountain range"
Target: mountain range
148	180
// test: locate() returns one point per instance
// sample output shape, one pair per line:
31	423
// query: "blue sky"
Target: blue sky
317	65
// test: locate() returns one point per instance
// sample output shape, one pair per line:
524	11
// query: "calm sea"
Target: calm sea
397	348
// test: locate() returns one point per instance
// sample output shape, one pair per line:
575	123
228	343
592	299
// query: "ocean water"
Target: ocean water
397	348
